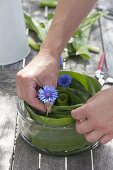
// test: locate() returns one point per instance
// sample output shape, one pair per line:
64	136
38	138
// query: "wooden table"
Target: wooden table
15	154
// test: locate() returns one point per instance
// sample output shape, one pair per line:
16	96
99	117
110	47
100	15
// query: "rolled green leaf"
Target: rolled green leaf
62	99
46	121
82	95
65	108
96	85
34	45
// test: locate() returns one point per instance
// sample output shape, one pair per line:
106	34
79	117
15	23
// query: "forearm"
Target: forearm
68	16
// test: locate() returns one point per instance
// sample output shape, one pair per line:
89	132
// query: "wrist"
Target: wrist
51	48
45	55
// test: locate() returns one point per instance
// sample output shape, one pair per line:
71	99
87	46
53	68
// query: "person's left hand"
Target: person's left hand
95	118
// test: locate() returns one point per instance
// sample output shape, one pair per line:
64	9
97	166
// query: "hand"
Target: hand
95	118
42	70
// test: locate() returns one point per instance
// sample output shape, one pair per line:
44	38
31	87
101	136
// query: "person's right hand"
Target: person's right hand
42	70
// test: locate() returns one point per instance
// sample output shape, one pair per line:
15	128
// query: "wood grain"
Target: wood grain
52	163
26	158
107	32
80	162
8	111
103	157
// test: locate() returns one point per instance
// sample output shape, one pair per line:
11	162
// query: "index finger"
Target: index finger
37	104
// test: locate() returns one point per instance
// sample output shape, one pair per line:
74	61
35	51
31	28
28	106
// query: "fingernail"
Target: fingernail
82	120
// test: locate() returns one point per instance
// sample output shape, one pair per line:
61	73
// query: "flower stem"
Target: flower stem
48	108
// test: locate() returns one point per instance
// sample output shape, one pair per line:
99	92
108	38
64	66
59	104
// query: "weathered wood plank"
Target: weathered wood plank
103	157
20	64
8	112
80	162
14	66
52	163
105	5
32	7
26	158
107	32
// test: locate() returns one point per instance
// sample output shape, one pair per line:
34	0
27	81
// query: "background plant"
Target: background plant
78	45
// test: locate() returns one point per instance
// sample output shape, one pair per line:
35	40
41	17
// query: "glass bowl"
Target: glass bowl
55	141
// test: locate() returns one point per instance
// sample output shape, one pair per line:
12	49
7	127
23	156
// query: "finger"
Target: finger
89	100
83	127
79	113
18	91
51	83
37	104
93	97
106	138
30	96
93	136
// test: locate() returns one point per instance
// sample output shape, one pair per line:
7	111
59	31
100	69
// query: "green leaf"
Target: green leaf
34	45
63	90
65	108
83	51
35	26
72	98
77	85
93	49
50	16
79	41
62	99
83	96
49	121
82	79
90	87
91	19
97	86
81	35
59	139
49	3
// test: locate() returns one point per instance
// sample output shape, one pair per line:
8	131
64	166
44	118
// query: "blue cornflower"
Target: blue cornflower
64	80
48	94
61	61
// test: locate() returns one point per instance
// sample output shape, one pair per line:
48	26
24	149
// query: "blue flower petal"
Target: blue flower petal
48	94
64	80
61	61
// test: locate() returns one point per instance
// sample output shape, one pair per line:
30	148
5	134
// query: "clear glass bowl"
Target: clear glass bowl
55	141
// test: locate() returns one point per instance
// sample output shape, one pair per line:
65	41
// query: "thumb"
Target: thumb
80	113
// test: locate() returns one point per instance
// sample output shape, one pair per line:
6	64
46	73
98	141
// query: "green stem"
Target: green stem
48	108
